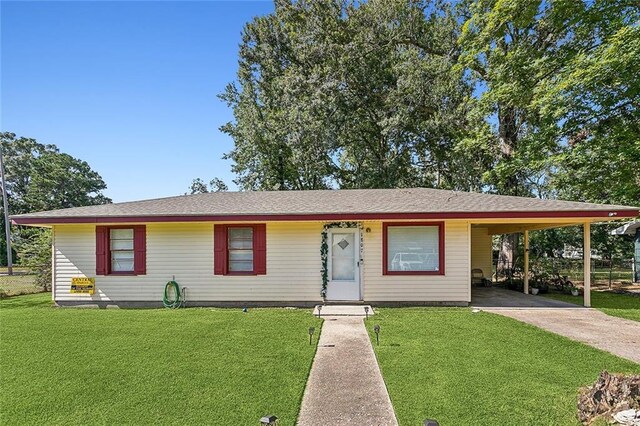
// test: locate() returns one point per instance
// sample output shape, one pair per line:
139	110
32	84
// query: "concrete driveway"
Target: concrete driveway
612	334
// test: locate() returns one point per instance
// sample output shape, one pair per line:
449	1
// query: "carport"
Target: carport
482	232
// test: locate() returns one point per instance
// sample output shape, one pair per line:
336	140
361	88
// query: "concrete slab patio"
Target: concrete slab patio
345	386
494	297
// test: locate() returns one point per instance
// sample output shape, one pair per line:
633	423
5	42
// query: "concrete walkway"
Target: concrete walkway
612	334
345	386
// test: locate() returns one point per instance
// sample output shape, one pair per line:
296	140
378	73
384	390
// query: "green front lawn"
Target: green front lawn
619	305
464	368
155	366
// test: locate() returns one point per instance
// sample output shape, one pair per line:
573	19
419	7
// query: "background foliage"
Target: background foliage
40	177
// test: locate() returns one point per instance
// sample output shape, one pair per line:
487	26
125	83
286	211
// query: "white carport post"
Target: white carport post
526	262
587	264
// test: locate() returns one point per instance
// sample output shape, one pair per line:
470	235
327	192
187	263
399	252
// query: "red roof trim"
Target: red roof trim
326	217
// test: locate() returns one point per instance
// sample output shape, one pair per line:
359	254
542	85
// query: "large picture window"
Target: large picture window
413	248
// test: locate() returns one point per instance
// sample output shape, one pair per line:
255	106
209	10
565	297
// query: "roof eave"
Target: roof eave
596	214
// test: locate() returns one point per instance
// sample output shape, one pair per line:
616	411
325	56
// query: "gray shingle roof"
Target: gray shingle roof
346	202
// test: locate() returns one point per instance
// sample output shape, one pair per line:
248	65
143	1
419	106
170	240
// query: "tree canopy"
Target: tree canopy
529	98
198	186
40	177
333	93
521	97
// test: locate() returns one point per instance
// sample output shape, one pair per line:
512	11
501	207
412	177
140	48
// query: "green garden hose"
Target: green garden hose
167	301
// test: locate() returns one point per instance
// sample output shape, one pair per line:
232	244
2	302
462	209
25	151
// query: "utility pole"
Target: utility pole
7	224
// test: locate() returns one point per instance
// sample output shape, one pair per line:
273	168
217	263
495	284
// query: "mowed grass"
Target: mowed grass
464	368
619	305
155	366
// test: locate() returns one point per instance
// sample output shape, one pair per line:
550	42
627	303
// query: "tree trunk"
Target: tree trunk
509	185
508	253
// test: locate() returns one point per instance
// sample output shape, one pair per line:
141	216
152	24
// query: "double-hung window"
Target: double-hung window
240	249
413	248
121	250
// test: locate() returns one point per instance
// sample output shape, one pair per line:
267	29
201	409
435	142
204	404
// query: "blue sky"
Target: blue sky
130	87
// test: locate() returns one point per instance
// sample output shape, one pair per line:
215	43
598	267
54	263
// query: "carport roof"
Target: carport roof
346	204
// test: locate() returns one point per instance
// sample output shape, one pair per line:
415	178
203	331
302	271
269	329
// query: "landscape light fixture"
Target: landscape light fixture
319	310
270	420
311	331
376	329
431	422
366	311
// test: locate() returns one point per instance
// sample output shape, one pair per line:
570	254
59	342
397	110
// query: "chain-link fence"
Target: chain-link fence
604	272
23	281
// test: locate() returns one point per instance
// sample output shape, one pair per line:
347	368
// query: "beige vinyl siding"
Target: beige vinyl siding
481	250
185	250
453	286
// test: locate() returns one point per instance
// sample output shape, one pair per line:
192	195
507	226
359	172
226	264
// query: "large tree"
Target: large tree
339	93
528	98
596	103
40	177
554	73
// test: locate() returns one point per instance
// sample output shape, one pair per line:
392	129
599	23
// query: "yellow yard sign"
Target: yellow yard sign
83	285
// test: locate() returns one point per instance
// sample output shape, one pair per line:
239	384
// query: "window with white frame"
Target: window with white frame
121	249
240	249
413	248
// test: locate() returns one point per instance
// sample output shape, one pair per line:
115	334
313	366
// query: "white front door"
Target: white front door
343	264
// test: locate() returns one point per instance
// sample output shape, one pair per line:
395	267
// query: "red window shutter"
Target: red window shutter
260	249
219	249
140	249
102	252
